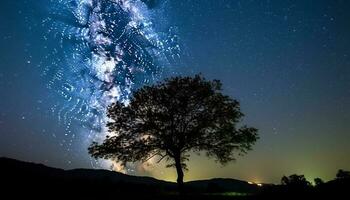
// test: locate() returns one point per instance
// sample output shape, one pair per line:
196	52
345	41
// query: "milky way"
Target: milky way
106	49
287	62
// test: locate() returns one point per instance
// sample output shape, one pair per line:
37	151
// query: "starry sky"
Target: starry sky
287	62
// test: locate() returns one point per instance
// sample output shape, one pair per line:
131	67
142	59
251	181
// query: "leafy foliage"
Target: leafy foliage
295	181
170	119
342	174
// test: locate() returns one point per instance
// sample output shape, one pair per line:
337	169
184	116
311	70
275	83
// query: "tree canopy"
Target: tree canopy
170	119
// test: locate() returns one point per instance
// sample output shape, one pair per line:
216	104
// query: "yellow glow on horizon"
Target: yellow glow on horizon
254	183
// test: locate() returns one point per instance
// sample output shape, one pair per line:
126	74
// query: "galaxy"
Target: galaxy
106	50
63	62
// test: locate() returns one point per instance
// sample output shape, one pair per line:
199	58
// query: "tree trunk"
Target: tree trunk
180	174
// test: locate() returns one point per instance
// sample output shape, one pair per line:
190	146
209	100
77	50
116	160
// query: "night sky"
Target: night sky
287	62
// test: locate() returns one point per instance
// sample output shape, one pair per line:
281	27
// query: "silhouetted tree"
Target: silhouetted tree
318	181
295	181
170	119
343	174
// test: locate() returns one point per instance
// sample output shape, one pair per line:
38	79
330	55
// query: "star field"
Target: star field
287	62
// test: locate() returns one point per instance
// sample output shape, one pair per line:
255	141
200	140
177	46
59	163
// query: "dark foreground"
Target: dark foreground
22	179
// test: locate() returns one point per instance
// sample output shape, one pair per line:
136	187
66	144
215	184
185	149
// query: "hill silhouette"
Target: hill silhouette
24	179
38	180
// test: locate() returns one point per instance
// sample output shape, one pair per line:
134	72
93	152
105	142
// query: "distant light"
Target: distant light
252	183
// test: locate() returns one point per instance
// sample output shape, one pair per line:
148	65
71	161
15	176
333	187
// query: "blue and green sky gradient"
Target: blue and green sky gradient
287	62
